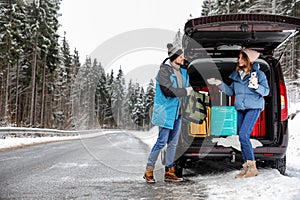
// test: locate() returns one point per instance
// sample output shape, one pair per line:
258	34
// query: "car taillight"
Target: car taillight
268	154
283	102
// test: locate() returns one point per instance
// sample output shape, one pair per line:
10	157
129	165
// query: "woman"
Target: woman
249	86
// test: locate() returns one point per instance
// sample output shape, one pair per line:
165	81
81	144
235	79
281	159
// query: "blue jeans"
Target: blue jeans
169	137
246	121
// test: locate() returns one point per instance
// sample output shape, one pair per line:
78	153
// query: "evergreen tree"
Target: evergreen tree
101	96
178	39
129	102
138	112
208	7
109	118
117	98
263	6
11	43
296	13
148	103
75	65
81	103
214	7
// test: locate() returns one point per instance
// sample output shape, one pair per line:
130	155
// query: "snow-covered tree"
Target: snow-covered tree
129	102
108	116
11	43
148	103
102	95
209	7
214	7
117	98
138	113
178	39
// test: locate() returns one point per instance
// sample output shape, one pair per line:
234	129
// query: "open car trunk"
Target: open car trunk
202	69
212	44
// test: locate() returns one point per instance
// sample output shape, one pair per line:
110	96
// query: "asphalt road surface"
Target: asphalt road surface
105	167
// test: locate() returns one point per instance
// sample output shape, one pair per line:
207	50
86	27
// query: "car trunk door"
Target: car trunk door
258	31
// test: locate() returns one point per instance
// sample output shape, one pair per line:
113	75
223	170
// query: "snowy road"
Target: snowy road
80	169
111	167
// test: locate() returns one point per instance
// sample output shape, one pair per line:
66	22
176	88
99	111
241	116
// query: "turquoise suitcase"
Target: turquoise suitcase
223	121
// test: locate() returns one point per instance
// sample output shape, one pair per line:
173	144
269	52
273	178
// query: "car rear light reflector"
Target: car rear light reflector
268	154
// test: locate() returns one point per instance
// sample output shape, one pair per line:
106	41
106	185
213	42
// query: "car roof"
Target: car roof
263	32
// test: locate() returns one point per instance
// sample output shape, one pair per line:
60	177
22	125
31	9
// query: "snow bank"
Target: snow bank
9	143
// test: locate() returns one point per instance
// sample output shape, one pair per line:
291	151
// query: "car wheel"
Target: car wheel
280	165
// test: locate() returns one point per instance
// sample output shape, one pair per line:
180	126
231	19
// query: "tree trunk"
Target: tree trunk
17	93
43	92
33	89
6	109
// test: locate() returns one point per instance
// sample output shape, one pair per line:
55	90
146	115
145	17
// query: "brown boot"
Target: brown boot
252	170
148	176
170	175
243	171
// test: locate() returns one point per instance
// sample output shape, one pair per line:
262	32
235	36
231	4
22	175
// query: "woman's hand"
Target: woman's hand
213	81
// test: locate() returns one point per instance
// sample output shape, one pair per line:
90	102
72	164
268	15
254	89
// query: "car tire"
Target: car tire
280	165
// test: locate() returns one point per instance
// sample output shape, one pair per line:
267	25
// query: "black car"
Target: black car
211	45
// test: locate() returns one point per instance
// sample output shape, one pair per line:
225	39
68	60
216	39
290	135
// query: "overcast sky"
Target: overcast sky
91	22
131	34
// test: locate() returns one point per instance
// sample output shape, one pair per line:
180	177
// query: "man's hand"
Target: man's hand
189	90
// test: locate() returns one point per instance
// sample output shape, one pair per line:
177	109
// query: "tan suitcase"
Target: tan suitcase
201	130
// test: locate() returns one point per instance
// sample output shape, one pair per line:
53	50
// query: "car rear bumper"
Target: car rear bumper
260	153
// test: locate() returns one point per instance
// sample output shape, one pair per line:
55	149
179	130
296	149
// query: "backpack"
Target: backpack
196	108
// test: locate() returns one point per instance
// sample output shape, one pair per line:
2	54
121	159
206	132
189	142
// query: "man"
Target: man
172	83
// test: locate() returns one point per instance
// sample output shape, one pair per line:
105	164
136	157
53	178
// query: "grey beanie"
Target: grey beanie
173	52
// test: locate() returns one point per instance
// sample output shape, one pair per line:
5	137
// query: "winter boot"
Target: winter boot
148	176
170	175
243	171
252	170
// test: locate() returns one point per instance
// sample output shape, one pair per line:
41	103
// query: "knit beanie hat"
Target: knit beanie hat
252	55
173	52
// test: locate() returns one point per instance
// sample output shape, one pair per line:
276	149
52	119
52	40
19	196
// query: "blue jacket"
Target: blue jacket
245	97
167	96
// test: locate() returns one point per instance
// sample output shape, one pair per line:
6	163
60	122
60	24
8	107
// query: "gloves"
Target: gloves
213	81
253	82
188	90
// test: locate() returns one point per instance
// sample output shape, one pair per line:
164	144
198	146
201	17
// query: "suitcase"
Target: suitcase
217	97
223	118
200	130
259	129
223	121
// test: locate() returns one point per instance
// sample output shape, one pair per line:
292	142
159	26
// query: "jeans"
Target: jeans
169	137
246	121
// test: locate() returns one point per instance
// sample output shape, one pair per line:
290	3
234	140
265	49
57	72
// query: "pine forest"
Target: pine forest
44	85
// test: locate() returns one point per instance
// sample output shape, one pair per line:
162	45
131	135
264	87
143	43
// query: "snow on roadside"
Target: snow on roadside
293	152
17	142
8	143
149	137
